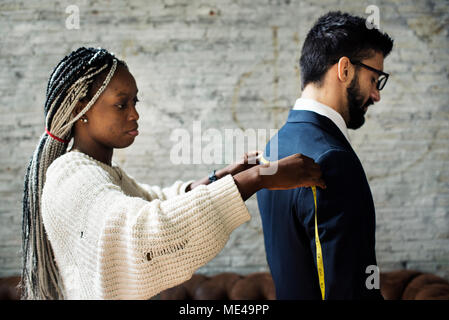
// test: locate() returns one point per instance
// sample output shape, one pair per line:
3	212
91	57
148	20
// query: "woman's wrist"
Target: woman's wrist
220	173
232	169
206	180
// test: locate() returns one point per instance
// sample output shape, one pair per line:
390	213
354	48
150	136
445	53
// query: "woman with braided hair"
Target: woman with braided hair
91	231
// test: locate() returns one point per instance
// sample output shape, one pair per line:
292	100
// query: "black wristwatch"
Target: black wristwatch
212	176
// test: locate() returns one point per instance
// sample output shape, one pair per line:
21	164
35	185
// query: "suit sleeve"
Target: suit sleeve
342	214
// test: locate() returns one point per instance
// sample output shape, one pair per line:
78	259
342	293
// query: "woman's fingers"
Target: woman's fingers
316	176
311	174
296	171
320	183
251	157
254	153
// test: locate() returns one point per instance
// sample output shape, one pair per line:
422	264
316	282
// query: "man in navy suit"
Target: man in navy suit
342	74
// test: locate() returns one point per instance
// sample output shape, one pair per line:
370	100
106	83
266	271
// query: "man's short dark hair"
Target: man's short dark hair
335	35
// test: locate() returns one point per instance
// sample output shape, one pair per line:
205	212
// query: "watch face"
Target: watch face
212	176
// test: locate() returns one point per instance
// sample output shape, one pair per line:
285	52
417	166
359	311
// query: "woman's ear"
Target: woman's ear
80	105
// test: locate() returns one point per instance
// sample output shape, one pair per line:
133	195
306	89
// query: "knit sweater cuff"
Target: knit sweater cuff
184	186
228	202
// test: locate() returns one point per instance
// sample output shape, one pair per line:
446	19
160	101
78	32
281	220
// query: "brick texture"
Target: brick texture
234	64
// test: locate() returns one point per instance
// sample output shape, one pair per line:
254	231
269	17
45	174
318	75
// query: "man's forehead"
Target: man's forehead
376	61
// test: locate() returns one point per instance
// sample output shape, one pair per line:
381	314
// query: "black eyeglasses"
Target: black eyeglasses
383	77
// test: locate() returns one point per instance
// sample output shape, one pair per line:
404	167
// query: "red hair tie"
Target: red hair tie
55	137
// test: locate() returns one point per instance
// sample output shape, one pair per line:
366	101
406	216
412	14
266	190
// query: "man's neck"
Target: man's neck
325	96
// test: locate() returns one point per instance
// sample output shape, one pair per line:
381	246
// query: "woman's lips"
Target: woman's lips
134	133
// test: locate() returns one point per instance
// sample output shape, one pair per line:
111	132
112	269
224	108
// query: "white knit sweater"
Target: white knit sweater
115	238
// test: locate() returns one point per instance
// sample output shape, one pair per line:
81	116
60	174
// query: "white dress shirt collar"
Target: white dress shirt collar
326	111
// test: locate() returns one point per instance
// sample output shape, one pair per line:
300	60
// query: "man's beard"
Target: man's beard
355	104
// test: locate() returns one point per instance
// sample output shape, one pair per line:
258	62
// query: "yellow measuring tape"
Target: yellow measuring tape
319	253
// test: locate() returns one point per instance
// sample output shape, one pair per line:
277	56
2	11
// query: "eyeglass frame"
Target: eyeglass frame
380	73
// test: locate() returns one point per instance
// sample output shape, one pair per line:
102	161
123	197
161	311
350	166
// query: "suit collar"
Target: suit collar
319	120
324	110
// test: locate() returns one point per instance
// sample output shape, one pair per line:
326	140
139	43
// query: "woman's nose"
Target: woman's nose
134	115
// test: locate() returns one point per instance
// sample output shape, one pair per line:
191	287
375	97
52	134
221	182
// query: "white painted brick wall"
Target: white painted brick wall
239	67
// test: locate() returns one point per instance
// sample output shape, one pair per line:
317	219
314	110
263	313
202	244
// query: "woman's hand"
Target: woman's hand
248	160
294	171
288	173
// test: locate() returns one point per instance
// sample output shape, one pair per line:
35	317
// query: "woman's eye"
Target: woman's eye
123	105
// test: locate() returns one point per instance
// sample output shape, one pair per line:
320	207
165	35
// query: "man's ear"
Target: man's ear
344	69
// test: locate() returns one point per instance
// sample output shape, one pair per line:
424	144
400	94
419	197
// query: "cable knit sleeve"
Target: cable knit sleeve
156	192
109	245
176	189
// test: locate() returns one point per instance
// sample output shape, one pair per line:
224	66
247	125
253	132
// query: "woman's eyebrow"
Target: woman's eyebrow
125	93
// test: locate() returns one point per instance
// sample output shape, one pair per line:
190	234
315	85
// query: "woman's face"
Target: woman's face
112	120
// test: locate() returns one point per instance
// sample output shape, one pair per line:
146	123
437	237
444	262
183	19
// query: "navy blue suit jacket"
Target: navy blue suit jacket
346	218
